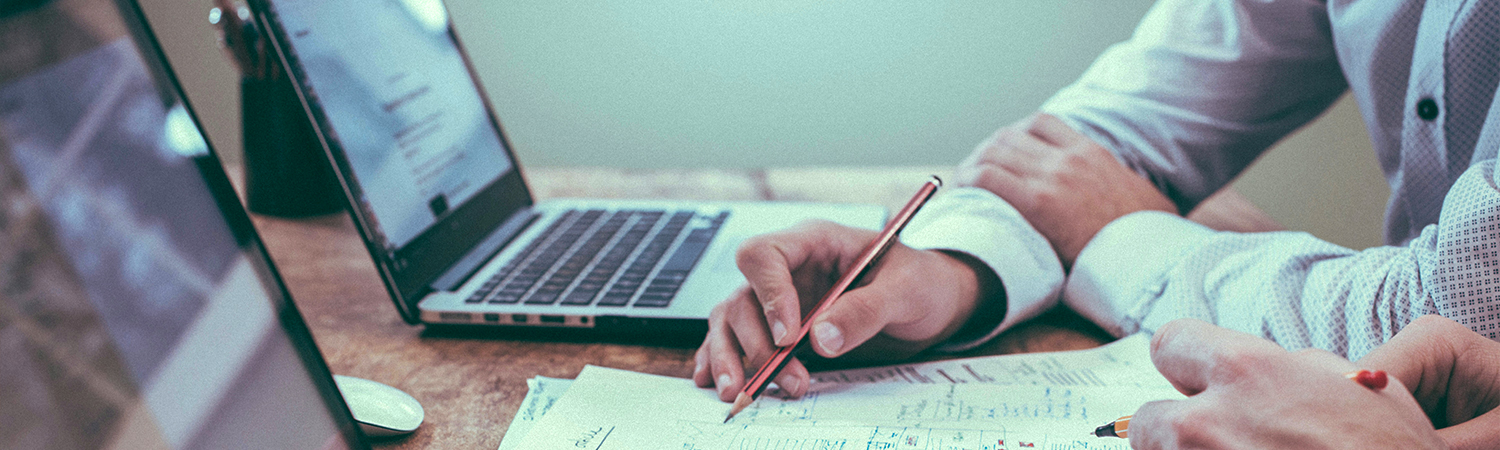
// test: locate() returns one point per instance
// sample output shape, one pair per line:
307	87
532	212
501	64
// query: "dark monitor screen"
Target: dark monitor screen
406	124
137	307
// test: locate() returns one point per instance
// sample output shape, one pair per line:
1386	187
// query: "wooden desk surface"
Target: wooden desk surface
472	387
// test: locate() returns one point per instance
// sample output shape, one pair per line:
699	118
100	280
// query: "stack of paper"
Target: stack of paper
1041	400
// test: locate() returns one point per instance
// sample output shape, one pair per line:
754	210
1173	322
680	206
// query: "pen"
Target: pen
1374	380
866	261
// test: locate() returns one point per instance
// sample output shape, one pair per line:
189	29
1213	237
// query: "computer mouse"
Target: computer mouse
379	409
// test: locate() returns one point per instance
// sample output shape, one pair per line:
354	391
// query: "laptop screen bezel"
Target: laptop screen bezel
409	273
222	190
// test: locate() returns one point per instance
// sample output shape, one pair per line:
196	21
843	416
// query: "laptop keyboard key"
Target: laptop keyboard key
613	299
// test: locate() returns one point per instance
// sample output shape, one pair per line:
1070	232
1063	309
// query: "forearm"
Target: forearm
1146	269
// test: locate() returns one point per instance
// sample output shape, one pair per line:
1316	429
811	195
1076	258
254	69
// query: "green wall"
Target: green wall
718	83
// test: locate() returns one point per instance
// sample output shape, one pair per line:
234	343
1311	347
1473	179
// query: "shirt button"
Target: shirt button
1427	109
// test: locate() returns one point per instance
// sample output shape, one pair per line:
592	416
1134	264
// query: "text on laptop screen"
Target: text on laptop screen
406	112
130	315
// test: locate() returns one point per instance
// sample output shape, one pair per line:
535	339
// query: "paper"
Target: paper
542	393
1004	405
1123	363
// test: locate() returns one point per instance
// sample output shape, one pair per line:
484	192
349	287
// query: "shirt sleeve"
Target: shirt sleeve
978	223
1148	268
1203	87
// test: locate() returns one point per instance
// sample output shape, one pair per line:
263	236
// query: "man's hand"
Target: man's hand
1246	392
914	300
1064	184
1454	374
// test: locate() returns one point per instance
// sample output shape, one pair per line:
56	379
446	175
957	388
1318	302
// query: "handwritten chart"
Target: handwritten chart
1009	402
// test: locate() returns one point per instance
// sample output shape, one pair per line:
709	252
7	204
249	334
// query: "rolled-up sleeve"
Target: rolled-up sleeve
1204	87
975	222
1148	268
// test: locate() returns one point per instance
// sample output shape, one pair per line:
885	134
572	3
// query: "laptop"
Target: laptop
138	309
440	201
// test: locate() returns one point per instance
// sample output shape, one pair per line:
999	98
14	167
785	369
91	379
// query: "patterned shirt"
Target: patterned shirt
1201	90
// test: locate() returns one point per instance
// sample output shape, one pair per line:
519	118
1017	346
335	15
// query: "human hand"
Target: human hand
914	300
1453	372
1066	185
1246	392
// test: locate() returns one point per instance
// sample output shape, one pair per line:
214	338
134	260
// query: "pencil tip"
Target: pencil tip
740	402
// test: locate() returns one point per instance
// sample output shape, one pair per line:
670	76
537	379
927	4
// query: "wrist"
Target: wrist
982	297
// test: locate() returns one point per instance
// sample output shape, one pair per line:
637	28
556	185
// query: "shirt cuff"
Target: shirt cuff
978	223
1123	270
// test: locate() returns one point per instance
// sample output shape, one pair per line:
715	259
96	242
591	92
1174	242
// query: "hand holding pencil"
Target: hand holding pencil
915	299
1246	392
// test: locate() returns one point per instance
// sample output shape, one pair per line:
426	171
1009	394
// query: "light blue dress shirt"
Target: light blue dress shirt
1200	90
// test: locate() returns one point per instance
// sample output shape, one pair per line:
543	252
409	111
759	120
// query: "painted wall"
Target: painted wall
718	83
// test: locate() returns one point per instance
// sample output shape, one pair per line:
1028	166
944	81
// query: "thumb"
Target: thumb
852	319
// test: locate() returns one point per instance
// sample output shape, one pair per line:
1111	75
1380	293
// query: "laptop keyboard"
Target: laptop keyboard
604	258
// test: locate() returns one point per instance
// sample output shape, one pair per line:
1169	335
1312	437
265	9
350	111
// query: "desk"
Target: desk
471	388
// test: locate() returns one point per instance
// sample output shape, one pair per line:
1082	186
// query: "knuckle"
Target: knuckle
990	178
1037	121
1237	362
717	315
1195	427
1072	161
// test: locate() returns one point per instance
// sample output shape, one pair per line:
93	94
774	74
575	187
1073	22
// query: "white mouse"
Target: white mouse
379	409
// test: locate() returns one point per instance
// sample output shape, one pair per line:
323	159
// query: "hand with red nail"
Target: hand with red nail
1245	392
1454	374
914	300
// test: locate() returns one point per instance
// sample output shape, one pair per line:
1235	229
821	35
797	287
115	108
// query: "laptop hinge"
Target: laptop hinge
459	272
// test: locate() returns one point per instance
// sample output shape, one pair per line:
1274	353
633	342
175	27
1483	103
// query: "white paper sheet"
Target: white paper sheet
541	394
608	409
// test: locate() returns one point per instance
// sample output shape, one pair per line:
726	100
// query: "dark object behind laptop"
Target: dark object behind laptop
286	174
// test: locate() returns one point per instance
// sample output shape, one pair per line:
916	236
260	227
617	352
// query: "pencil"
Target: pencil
1374	380
757	383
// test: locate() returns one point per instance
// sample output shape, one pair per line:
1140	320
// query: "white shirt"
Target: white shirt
1200	90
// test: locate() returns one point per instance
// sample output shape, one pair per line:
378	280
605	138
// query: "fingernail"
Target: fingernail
778	330
829	337
697	369
724	381
792	386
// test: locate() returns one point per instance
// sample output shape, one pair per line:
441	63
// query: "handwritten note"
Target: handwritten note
541	394
1008	402
1123	363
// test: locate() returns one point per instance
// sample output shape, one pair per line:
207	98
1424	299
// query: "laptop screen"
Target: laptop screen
405	111
137	309
424	163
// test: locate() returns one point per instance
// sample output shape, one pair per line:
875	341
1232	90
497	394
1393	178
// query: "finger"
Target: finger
1021	153
724	356
701	375
1054	131
750	331
1421	356
1193	354
1477	433
853	319
767	263
1147	428
996	179
794	379
1325	359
